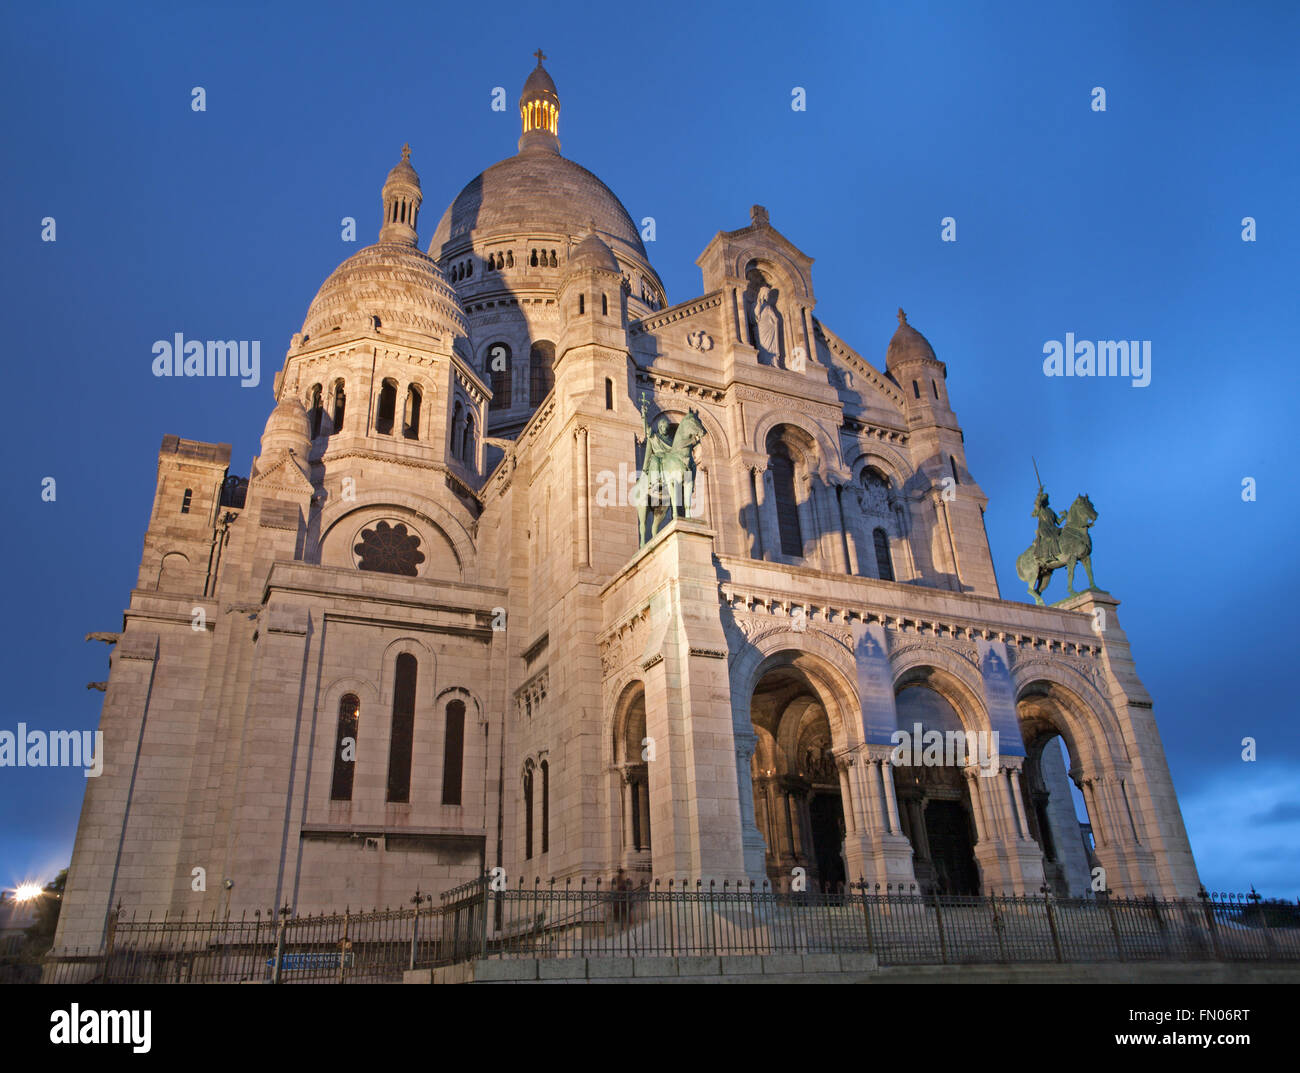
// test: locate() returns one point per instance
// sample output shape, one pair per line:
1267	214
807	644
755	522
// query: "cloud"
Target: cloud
1244	826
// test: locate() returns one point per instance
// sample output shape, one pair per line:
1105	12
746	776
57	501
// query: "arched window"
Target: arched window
386	412
499	371
787	501
935	388
317	410
185	500
528	811
609	393
952	462
339	405
582	304
546	807
411	423
469	444
457	429
884	563
541	375
553	260
453	753
604	305
345	748
399	746
916	390
532	261
510	259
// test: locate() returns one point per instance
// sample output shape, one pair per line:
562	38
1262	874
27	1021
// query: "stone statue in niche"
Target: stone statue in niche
767	326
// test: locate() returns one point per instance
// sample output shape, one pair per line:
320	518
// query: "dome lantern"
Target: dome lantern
539	110
402	198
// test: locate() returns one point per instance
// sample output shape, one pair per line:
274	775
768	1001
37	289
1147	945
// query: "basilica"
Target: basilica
430	633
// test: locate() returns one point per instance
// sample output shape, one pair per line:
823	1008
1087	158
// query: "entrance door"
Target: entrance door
827	815
951	848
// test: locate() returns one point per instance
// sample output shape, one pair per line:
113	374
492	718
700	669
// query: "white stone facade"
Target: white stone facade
713	705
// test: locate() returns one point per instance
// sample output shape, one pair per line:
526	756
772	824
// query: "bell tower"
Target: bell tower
539	110
402	199
954	503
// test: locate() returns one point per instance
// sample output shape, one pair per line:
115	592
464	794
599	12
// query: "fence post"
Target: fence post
1114	926
279	943
866	915
938	920
108	944
345	944
483	925
1051	923
1210	922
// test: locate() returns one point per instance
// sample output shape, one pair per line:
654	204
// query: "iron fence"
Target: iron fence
477	920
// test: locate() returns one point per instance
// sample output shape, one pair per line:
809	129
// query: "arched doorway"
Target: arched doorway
934	801
798	806
631	760
1053	806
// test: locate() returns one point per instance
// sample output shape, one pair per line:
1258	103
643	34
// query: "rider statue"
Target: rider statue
1047	544
658	449
1060	542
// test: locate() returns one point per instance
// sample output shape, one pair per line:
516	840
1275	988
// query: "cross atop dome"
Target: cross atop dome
539	110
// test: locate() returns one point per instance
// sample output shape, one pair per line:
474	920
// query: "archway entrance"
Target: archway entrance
1052	806
933	798
797	801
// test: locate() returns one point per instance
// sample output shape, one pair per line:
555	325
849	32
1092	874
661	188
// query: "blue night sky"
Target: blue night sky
1117	225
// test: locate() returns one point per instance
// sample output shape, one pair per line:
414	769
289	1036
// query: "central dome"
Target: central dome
536	191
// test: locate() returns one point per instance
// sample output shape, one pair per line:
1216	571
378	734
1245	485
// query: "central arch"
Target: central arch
934	799
797	721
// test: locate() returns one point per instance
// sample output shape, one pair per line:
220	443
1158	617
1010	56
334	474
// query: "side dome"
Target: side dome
401	286
287	428
590	253
907	345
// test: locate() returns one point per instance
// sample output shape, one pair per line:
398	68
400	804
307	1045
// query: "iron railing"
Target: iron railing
477	920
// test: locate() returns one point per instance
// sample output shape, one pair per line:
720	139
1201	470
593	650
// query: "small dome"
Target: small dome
287	427
539	83
398	284
590	253
403	171
907	345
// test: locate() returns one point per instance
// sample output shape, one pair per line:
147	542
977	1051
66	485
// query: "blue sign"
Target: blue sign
303	962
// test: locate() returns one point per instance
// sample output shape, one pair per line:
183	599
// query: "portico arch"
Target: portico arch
1109	851
796	712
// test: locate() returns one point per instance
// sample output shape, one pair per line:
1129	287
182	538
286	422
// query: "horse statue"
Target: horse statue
1060	542
667	478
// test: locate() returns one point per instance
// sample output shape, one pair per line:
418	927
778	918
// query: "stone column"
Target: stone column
887	853
582	519
768	523
754	486
1009	860
752	843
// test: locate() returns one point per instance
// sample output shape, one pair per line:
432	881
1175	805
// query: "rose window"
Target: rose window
389	549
